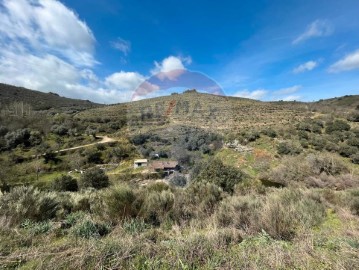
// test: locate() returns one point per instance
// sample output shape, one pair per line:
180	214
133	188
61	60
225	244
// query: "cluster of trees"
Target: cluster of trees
93	178
21	137
335	136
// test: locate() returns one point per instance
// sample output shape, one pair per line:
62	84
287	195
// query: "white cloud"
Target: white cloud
124	80
349	62
171	63
122	45
310	65
47	26
256	94
45	46
291	98
280	94
318	28
288	90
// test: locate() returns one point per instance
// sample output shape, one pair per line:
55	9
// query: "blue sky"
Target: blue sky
102	50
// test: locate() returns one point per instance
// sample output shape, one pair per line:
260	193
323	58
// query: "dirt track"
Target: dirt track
105	139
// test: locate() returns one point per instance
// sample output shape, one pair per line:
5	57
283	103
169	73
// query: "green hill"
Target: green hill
10	94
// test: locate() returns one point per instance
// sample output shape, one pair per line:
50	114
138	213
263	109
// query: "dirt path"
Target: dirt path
105	139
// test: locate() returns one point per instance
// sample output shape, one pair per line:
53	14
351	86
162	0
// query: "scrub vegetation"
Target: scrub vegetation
260	185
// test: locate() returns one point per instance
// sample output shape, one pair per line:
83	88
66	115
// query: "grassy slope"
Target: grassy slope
39	100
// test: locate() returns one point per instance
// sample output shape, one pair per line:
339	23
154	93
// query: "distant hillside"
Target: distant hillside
10	94
200	110
345	104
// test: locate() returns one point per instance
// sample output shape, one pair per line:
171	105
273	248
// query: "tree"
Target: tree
95	178
65	183
214	171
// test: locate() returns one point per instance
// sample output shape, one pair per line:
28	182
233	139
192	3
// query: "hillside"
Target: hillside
10	94
252	178
200	110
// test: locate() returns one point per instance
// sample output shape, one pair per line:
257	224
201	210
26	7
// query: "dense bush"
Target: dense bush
251	136
318	142
197	201
214	171
156	206
281	214
23	137
178	180
94	178
355	158
270	132
140	139
347	150
60	130
65	183
354	117
337	125
23	203
3	131
288	148
119	203
87	228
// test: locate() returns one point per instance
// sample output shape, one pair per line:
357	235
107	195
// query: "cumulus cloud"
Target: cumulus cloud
45	26
256	94
318	28
349	62
125	80
46	46
122	45
171	63
310	65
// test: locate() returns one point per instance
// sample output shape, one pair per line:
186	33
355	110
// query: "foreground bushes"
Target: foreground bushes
28	203
281	214
324	170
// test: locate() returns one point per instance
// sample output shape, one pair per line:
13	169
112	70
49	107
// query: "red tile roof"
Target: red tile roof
162	165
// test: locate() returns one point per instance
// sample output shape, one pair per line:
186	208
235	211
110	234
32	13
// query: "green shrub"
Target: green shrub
94	178
286	212
197	201
36	228
214	171
23	203
288	148
157	187
337	125
178	181
353	141
318	142
90	229
119	203
347	150
135	226
65	183
270	132
355	158
72	218
156	206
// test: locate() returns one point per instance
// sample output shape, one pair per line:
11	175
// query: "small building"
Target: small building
168	167
140	163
